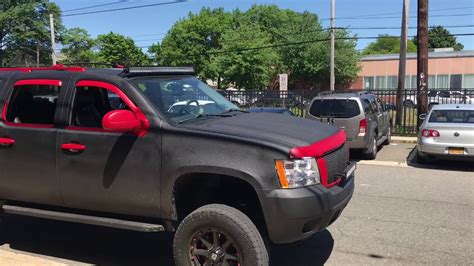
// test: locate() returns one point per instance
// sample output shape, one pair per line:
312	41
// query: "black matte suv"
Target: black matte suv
154	149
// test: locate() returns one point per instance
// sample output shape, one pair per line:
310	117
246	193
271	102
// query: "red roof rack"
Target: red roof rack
58	67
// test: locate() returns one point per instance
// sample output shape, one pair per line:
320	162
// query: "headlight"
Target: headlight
298	172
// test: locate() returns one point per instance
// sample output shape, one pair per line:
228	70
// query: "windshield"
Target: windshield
183	98
452	116
335	108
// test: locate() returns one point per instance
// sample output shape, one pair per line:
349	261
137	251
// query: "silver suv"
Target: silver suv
362	115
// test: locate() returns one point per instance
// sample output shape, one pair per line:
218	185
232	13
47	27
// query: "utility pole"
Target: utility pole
422	60
53	42
402	62
332	78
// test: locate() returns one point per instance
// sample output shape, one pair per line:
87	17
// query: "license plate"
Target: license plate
456	151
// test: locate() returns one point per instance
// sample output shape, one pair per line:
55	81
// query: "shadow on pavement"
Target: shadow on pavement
438	164
315	250
107	246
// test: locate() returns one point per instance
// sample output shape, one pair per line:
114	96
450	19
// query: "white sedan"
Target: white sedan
447	133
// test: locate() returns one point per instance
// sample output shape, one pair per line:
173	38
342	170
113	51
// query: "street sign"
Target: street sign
283	82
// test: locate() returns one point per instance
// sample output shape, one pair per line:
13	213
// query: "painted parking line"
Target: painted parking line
8	258
383	163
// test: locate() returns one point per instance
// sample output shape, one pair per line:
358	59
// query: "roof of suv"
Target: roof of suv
121	71
344	94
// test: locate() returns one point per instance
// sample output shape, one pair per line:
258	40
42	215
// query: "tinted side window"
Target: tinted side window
33	104
335	108
91	104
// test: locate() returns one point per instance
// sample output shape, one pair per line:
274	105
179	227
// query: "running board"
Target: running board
84	219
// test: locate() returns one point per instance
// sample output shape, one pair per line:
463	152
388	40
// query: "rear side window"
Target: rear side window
32	103
335	108
452	116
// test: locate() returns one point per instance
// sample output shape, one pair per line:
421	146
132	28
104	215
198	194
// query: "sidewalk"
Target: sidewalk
400	139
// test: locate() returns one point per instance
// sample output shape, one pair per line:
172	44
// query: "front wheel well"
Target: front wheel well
192	191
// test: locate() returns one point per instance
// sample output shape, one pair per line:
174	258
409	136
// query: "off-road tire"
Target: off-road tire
227	219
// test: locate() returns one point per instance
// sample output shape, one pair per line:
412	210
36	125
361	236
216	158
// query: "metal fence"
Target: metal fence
297	101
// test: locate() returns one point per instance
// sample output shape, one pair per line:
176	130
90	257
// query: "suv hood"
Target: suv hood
282	130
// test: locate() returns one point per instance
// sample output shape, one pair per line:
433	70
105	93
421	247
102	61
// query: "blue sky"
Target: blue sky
148	25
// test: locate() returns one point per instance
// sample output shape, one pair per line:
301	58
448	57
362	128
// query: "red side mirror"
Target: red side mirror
121	121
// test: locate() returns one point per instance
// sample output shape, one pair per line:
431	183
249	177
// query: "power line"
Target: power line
125	8
95	6
311	41
397	13
324	29
398	17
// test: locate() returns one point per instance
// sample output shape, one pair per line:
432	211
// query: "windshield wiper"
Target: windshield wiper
204	115
234	110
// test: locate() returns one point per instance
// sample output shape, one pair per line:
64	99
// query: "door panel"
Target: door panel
28	154
106	171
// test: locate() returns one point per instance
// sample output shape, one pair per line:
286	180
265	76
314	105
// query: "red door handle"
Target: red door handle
6	142
73	147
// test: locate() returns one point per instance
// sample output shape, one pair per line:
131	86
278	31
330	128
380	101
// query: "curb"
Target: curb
409	140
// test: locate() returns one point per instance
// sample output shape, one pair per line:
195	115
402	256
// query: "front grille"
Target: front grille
336	162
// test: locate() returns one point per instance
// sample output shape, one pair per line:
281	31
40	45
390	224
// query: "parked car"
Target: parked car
447	132
227	182
274	110
361	115
439	97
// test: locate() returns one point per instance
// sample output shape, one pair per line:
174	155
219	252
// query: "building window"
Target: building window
413	82
380	83
442	81
455	82
468	82
431	81
407	82
368	83
392	82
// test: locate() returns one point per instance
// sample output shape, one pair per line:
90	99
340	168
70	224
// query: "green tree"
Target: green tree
116	48
386	44
247	69
439	37
190	40
24	30
155	52
78	46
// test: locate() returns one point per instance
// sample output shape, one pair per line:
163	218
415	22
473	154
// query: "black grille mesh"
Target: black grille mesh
336	162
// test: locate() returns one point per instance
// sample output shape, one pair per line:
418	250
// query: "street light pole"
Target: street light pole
332	78
53	41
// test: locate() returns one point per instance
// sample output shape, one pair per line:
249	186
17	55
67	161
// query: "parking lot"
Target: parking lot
401	213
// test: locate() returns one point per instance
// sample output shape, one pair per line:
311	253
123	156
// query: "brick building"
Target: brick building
447	69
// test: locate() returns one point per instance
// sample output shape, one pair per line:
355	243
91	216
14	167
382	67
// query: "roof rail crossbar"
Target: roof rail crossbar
158	70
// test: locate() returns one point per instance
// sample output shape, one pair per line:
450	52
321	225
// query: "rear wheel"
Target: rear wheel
371	152
218	235
388	135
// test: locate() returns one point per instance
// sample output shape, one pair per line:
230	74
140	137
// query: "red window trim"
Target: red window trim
138	112
47	82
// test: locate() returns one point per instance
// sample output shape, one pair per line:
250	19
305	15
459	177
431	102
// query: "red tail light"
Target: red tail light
363	126
429	133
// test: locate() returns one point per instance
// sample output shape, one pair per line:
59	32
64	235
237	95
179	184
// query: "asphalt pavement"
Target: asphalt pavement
401	213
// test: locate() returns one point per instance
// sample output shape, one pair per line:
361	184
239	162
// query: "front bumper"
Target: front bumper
296	214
